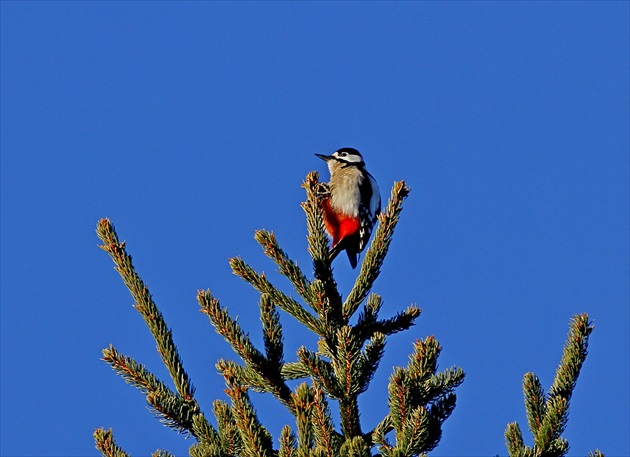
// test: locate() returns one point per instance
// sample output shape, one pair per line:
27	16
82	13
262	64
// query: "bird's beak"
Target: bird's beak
323	157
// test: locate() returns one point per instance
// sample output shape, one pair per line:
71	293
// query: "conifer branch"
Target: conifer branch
368	315
303	401
171	409
272	333
345	367
245	375
398	402
326	439
104	440
534	402
378	435
288	267
440	410
344	364
369	361
255	438
573	356
321	371
229	329
318	240
295	370
349	412
329	315
132	372
355	447
414	433
375	255
287	443
231	443
255	380
204	432
162	453
400	322
441	383
146	306
262	373
514	441
327	347
547	417
288	304
553	424
206	450
423	360
420	399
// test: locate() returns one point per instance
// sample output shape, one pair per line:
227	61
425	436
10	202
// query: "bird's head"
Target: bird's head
341	158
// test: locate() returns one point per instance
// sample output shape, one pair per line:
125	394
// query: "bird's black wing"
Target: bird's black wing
369	210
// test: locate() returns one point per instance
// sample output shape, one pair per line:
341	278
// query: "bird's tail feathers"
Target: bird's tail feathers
335	250
353	257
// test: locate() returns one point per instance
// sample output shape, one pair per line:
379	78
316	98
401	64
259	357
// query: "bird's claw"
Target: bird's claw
321	191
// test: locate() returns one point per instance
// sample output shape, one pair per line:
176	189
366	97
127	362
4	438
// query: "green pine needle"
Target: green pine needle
547	416
342	368
104	440
375	255
146	306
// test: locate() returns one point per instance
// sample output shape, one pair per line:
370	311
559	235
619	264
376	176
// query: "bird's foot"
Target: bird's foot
322	191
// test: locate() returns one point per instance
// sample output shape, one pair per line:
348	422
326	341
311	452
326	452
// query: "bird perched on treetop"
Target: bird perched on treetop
352	205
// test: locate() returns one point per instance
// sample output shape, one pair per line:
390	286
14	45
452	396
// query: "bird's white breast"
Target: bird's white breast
344	187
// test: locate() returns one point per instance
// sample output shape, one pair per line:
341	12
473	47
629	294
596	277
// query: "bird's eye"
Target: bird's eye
343	154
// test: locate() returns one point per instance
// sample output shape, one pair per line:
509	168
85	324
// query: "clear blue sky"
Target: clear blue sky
192	124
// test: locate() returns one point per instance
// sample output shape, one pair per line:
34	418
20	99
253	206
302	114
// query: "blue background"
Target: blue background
192	124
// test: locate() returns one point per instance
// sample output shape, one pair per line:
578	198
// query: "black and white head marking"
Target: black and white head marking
349	156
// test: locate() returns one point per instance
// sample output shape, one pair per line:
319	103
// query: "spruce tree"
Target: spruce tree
420	398
547	415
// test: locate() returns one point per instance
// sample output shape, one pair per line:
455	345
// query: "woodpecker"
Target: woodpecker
353	205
